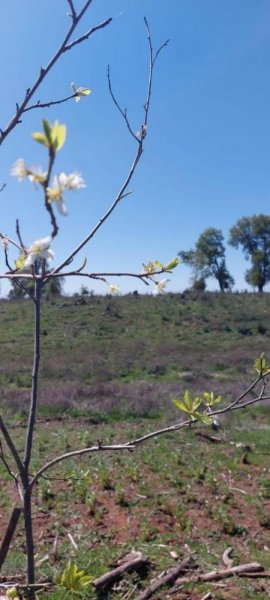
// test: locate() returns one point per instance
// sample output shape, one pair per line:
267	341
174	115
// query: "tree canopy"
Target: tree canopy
253	234
207	259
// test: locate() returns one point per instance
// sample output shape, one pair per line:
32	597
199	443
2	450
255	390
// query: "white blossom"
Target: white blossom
55	194
160	287
19	169
36	175
74	181
4	241
114	289
62	182
39	249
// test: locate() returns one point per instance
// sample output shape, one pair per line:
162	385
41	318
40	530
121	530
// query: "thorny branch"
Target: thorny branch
64	46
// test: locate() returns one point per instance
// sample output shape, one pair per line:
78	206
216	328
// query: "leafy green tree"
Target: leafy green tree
208	259
253	234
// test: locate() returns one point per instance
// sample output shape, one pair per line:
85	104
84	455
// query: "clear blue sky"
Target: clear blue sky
206	160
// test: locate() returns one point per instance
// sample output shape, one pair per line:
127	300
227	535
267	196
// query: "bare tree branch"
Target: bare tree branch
49	104
18	231
97	448
84	37
122	112
131	444
152	61
11	446
72	9
121	194
5	463
64	46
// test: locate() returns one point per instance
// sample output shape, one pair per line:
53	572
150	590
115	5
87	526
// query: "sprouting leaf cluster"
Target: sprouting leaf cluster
192	405
53	136
155	266
261	366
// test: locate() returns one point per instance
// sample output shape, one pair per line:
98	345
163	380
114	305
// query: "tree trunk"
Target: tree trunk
29	540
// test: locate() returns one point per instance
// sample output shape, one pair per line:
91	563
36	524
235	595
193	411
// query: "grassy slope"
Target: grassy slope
179	492
129	353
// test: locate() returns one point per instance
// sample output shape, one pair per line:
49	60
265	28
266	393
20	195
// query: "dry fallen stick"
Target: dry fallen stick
246	570
170	577
228	562
210	438
135	563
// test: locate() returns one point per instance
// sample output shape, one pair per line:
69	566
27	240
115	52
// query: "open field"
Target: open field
109	371
131	354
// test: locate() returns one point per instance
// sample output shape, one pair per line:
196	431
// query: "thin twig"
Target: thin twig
123	190
122	112
84	37
47	203
5	463
11	446
64	46
152	61
49	104
19	234
67	455
72	9
35	371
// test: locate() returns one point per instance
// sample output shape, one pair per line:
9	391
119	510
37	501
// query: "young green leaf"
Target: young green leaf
83	91
188	405
19	263
205	419
172	264
260	365
39	137
47	128
210	399
58	135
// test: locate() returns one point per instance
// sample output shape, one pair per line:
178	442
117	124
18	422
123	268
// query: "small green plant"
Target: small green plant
72	579
120	495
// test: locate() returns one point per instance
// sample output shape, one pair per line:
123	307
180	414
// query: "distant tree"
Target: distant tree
20	290
55	286
199	285
84	290
253	234
208	259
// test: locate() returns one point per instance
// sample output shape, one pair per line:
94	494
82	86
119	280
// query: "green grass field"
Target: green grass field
109	371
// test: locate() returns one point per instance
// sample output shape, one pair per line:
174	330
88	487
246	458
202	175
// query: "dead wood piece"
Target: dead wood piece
239	571
135	564
207	596
255	575
228	562
12	524
210	438
124	558
169	577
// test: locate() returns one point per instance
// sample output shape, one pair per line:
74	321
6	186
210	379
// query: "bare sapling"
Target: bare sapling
33	271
